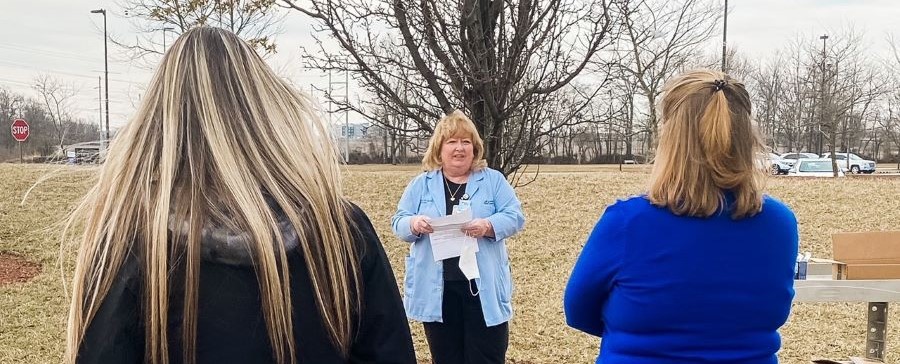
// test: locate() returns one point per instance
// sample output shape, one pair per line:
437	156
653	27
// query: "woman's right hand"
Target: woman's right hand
420	224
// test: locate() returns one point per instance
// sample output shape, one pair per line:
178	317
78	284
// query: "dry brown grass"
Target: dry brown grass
561	206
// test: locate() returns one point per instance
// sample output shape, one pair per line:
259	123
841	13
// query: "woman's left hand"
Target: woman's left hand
479	228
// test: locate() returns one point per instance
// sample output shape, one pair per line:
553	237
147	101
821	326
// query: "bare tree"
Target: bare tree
10	105
500	61
627	120
810	98
797	102
256	21
609	128
850	87
889	121
57	99
400	135
10	108
767	85
894	63
738	65
660	38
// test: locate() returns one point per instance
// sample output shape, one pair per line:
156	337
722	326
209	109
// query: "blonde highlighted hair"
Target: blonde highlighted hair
454	124
217	141
708	147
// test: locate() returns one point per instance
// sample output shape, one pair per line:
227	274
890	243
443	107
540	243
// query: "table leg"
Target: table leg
876	330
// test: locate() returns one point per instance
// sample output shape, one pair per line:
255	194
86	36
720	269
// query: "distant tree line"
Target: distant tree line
545	81
49	118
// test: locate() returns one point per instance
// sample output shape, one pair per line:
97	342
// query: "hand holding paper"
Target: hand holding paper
479	228
420	224
448	238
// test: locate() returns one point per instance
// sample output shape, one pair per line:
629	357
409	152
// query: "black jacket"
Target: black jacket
231	328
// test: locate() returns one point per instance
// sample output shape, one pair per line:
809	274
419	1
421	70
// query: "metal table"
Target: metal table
877	293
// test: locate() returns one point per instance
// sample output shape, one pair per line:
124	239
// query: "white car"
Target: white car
818	167
775	164
792	157
854	163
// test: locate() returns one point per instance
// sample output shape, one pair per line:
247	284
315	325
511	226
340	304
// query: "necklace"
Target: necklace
452	193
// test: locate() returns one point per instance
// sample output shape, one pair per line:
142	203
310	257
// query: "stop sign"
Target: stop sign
20	130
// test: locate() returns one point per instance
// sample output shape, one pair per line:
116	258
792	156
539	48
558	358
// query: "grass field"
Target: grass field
561	207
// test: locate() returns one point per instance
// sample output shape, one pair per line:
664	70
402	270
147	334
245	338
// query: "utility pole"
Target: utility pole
330	104
331	99
347	112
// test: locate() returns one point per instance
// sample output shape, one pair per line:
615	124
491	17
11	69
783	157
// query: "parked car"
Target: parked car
819	167
792	157
854	164
777	165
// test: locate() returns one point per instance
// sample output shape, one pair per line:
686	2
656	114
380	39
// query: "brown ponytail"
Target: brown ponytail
708	146
715	130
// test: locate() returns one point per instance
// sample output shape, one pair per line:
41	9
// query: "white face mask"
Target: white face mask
468	263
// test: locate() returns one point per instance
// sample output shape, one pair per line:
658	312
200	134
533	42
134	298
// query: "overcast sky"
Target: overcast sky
63	39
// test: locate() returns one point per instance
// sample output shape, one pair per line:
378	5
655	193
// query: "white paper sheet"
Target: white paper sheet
448	240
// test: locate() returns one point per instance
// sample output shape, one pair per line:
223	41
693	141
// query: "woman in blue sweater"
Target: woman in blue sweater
700	269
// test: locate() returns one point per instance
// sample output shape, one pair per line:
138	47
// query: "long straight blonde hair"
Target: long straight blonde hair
708	146
216	140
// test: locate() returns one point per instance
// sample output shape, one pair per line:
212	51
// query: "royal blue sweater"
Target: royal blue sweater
665	289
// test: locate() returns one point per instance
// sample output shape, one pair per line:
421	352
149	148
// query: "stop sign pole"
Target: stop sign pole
20	131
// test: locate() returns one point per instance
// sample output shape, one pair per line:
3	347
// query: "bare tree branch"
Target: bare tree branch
502	62
57	98
256	21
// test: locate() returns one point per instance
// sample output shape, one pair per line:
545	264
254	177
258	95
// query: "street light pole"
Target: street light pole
105	66
347	113
820	138
725	36
165	29
100	105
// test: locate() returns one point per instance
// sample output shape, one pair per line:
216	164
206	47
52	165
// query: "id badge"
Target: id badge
464	204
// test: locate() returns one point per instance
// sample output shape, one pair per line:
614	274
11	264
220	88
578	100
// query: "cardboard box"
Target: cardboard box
867	255
873	271
819	268
875	247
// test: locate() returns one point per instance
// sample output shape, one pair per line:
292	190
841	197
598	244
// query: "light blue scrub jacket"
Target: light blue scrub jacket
492	198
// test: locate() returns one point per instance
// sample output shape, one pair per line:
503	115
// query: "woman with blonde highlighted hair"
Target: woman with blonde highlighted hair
701	267
217	231
463	298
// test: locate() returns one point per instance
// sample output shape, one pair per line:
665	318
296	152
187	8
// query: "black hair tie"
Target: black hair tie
718	85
